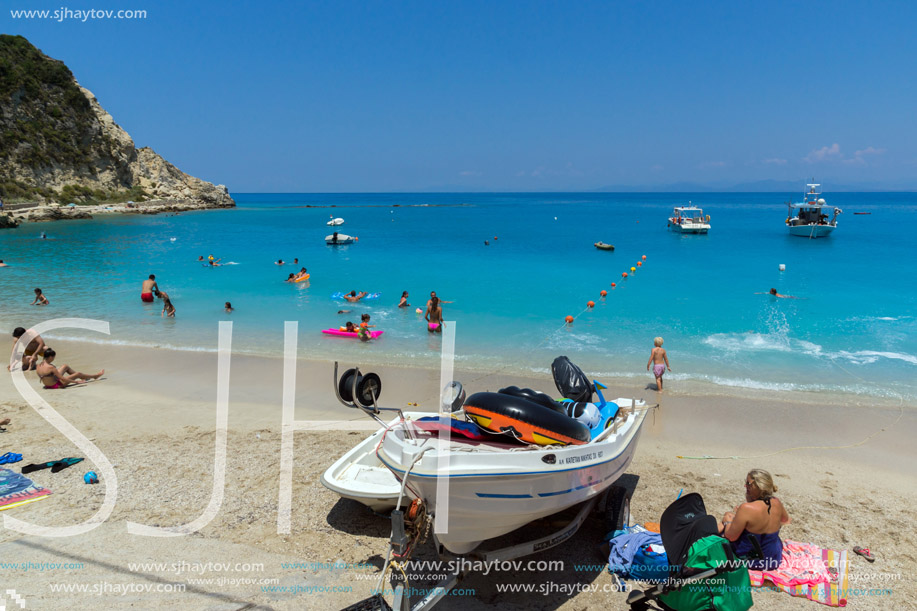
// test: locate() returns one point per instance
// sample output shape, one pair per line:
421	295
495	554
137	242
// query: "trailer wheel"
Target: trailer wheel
617	509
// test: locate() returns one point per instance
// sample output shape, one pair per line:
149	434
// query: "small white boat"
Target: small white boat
335	221
494	486
689	219
339	239
807	218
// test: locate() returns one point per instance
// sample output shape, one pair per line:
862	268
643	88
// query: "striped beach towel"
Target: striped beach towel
16	490
807	570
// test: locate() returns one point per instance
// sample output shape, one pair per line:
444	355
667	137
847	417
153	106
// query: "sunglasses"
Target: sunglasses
748	484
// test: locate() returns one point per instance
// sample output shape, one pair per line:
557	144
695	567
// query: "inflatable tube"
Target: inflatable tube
306	277
339	333
524	419
534	396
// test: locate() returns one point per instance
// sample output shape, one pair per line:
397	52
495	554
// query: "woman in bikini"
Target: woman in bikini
760	516
434	316
52	377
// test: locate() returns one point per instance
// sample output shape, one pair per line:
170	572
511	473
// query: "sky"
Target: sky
374	96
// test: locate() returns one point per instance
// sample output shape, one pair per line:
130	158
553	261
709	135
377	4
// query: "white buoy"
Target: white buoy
782	267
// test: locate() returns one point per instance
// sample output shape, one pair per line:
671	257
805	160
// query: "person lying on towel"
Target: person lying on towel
760	516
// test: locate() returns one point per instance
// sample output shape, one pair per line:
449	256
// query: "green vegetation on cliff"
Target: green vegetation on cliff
45	116
47	125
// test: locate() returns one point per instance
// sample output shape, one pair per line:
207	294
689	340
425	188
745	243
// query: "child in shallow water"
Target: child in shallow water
659	360
364	332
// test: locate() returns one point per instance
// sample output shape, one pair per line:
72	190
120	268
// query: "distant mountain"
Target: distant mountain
757	186
57	144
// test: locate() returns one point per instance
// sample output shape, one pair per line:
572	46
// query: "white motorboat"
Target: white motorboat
807	218
335	221
339	239
495	485
689	219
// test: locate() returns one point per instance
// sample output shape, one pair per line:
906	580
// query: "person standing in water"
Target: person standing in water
40	299
660	362
147	288
434	316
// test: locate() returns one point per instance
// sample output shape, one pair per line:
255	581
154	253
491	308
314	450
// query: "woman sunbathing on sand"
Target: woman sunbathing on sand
52	377
761	521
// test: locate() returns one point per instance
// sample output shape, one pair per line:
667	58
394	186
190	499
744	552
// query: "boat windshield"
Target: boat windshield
690	214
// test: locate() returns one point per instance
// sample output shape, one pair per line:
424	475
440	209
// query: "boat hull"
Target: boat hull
360	476
689	228
811	231
490	494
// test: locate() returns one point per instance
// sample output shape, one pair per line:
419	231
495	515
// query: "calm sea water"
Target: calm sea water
852	330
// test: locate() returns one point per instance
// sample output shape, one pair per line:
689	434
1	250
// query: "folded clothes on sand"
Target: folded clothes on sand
807	570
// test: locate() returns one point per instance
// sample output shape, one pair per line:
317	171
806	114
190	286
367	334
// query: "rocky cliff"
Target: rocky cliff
57	143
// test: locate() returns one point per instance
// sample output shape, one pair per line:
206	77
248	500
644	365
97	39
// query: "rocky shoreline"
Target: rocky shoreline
38	213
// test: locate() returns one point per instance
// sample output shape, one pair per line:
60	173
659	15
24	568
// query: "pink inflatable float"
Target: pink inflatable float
340	333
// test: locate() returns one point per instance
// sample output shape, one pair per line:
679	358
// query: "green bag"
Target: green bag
726	591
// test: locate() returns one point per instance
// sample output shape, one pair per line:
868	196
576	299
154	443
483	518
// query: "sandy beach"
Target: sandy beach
153	416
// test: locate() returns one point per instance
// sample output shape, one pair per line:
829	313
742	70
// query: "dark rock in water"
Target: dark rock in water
7	221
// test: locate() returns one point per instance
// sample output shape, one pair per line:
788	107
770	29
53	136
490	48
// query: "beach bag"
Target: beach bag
727	591
650	564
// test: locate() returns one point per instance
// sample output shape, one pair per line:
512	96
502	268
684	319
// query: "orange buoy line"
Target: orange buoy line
591	304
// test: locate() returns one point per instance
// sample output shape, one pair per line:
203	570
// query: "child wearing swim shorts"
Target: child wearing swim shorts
660	362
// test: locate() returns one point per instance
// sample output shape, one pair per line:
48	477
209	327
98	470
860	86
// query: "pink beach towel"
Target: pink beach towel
807	570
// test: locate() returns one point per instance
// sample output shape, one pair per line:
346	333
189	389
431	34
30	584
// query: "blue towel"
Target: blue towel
625	546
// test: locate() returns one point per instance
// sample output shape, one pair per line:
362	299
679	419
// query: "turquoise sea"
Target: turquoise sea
852	330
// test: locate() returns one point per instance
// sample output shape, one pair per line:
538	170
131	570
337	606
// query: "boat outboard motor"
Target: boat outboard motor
571	381
453	397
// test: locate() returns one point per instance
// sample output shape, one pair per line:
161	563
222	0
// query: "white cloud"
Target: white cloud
859	157
470	173
825	153
775	161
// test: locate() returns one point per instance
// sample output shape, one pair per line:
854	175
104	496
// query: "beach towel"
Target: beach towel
807	570
16	490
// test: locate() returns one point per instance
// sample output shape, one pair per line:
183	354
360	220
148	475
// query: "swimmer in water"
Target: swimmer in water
354	297
40	299
228	308
776	294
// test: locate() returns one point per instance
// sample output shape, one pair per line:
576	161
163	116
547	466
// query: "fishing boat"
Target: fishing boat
808	218
689	219
604	246
339	239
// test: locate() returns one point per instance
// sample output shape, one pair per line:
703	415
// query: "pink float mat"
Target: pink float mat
808	571
339	333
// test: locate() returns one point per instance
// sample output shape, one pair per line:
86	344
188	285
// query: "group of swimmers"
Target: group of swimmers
211	261
300	275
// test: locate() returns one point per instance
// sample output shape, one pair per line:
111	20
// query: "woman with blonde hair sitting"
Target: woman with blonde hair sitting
759	517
